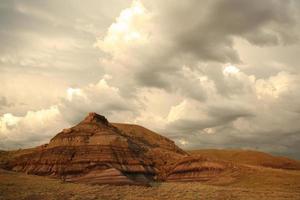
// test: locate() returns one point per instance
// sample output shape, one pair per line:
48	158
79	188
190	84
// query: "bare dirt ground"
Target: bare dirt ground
255	183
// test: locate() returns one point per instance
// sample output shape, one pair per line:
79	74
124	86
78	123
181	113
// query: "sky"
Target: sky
205	73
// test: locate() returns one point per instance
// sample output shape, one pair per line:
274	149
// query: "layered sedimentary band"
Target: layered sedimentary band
95	151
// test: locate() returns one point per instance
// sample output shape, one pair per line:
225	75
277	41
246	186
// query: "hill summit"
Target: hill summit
96	151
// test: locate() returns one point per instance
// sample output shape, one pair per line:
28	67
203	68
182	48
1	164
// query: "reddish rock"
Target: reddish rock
96	151
196	168
161	150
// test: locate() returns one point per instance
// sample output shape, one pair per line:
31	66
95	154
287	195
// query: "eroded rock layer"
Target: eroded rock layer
195	168
93	151
162	151
98	152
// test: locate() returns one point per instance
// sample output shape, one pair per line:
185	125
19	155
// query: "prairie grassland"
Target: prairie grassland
255	183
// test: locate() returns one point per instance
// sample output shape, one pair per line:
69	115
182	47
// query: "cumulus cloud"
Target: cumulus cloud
265	118
208	74
168	36
100	97
46	49
37	127
34	128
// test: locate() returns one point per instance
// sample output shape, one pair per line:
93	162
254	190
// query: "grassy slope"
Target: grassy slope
255	182
6	156
249	157
263	183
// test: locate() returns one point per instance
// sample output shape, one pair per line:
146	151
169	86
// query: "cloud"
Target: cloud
4	103
34	128
265	118
27	91
188	49
168	37
212	73
41	43
100	97
37	127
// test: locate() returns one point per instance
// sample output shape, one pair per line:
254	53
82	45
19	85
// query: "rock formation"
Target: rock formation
161	150
197	168
96	151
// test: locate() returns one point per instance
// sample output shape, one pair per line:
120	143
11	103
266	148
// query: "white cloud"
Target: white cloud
100	97
230	69
34	128
163	64
128	30
274	86
74	92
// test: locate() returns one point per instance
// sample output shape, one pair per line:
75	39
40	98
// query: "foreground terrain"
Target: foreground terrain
96	159
256	183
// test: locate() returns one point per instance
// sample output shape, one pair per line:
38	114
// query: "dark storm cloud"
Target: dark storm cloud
206	28
205	31
190	42
209	73
215	115
260	22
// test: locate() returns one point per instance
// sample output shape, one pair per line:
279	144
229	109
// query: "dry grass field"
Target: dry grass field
254	183
249	157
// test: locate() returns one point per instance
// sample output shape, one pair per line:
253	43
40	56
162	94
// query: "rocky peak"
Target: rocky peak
96	151
96	118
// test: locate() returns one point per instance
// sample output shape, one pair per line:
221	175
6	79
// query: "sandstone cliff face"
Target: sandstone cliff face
162	151
96	151
197	168
93	151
